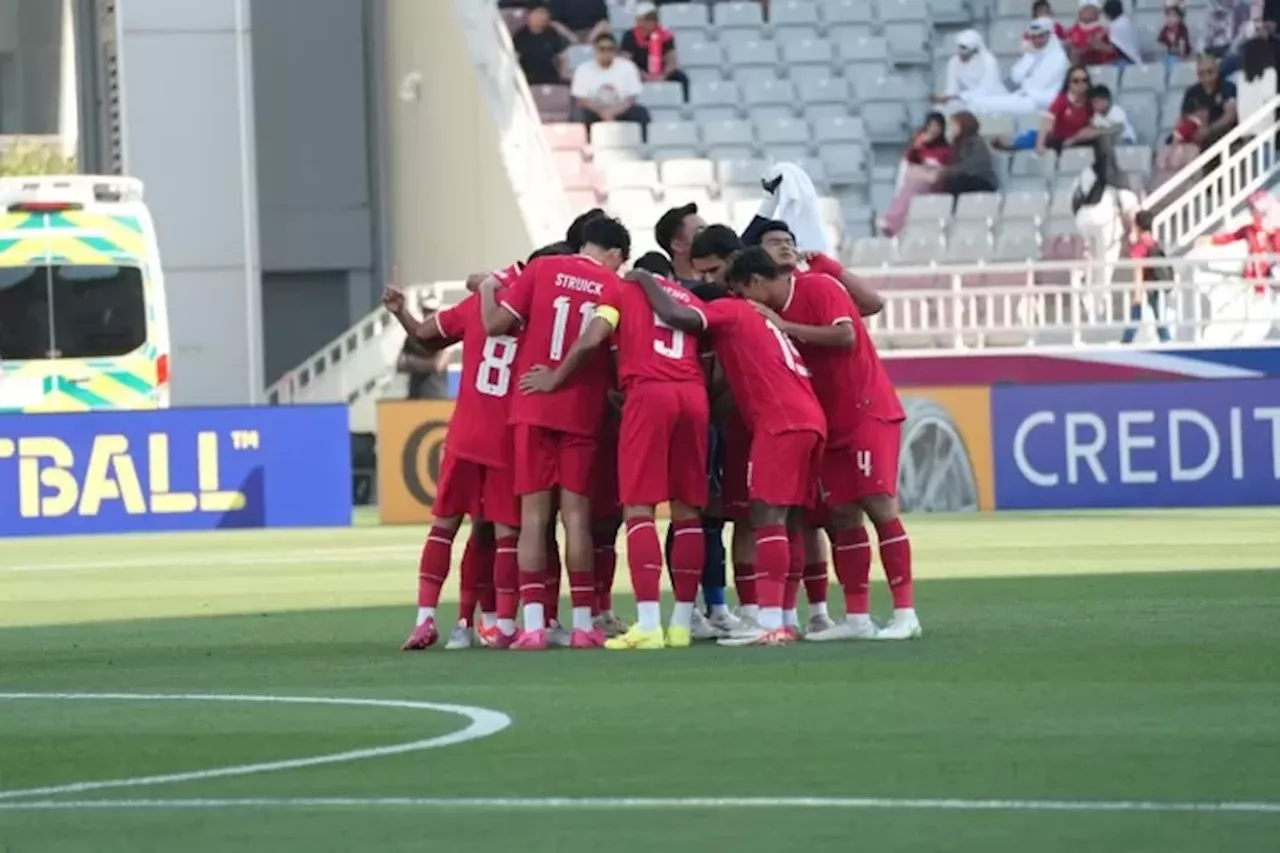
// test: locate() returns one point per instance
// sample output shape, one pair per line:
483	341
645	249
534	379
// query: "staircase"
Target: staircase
1191	203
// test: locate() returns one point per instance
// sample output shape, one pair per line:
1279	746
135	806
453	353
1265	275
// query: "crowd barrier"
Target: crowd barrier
1192	443
177	469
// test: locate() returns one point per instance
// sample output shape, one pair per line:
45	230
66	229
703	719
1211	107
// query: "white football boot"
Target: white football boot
461	638
852	628
903	626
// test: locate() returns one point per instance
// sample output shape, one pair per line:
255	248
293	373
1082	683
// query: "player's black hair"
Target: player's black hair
750	262
560	248
715	241
574	235
670	223
607	233
774	225
654	262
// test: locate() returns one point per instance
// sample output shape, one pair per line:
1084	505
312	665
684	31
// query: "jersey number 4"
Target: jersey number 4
494	376
561	304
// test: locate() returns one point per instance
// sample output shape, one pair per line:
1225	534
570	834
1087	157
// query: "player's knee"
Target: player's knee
631	512
846	516
535	510
763	515
683	512
881	509
482	530
450	524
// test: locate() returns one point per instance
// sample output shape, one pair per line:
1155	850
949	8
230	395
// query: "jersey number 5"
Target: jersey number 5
561	327
494	376
673	350
790	354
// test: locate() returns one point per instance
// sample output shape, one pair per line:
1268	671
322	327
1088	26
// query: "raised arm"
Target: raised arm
497	320
541	379
672	313
864	295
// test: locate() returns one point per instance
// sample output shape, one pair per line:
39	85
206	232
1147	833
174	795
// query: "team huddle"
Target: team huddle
596	398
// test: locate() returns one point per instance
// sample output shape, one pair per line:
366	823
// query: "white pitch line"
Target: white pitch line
647	803
337	554
484	722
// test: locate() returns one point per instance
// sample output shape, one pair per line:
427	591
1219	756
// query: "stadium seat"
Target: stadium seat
769	112
616	134
891	11
929	209
1171	110
633	174
808	52
1181	76
1135	160
752	53
770	92
846	163
839	129
730	132
662	95
978	207
1143	78
908	43
1073	161
1060	205
753	76
772	134
885	122
683	15
1025	206
688	173
863	50
743	173
679	134
552	101
848	12
701	55
783	12
1105	75
714	93
950	13
825	90
566	137
577	54
1018	242
736	14
993	125
731	152
1006	38
1144	115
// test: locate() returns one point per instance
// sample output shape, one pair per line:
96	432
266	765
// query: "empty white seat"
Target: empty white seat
631	174
1135	159
848	12
784	132
908	43
978	206
714	93
1025	206
1073	161
1143	78
770	92
683	15
727	132
839	129
701	55
736	14
903	10
930	208
816	52
741	172
752	53
662	94
688	173
872	252
793	12
616	134
673	134
846	163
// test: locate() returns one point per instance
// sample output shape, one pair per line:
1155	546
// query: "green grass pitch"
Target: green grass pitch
1128	662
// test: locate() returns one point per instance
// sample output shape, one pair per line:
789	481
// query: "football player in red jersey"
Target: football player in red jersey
551	304
475	473
665	420
770	385
814	305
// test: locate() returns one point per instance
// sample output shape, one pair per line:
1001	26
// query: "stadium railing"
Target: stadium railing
526	154
1193	201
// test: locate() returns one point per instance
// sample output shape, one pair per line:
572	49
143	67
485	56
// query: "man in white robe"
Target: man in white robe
1036	77
972	71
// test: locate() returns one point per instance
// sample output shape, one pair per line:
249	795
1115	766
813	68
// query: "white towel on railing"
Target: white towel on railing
798	206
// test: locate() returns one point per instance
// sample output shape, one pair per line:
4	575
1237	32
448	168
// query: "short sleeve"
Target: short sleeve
509	275
633	83
829	308
518	297
720	316
579	85
452	322
1228	91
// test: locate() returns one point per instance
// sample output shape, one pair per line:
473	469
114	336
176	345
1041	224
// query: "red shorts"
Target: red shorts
475	490
664	431
737	453
784	468
547	458
604	472
868	467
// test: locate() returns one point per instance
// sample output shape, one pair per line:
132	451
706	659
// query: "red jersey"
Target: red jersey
650	350
768	376
1069	118
851	384
1080	35
478	431
555	298
1261	243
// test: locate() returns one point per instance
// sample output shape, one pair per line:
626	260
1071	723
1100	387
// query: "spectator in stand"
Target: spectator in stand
1258	82
1151	282
1224	31
1175	37
653	48
589	17
930	147
1104	203
1263	237
1065	122
973	69
1037	76
1108	115
1088	38
1041	9
966	167
606	88
1208	107
1122	33
540	44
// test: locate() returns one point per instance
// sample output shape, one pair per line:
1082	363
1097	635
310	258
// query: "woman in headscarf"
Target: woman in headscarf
1104	204
973	69
1037	76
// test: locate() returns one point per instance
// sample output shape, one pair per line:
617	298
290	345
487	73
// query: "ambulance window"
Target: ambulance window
24	313
99	311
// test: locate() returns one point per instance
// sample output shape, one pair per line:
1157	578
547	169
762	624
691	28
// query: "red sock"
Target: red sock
853	569
433	565
552	582
606	566
582	589
773	561
895	556
744	581
815	582
644	559
478	549
506	577
688	554
795	570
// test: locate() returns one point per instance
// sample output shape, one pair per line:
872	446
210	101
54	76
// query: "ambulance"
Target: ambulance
83	325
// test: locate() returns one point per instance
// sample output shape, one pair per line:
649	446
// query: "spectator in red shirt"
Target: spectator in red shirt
1262	236
1087	39
930	146
653	48
1152	282
1175	36
1041	9
1067	121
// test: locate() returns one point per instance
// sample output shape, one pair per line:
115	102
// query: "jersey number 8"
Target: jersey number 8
494	376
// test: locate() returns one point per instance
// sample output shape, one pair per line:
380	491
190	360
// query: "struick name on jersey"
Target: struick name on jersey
582	285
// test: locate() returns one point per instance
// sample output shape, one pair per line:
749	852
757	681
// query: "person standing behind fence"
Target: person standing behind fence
1103	203
1151	283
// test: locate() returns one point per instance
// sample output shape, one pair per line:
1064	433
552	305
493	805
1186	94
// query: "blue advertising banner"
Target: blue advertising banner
1156	444
177	469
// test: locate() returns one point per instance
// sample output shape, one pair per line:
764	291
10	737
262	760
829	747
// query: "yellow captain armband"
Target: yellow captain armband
609	314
